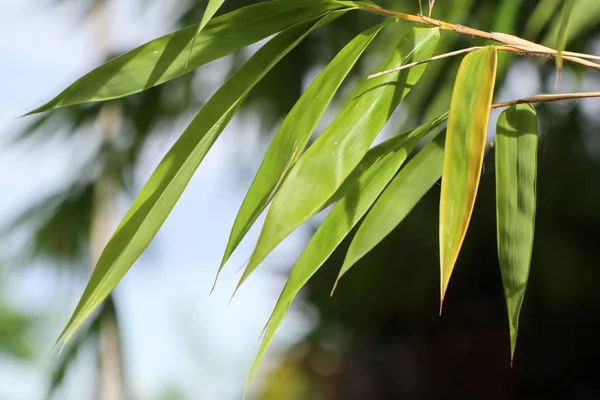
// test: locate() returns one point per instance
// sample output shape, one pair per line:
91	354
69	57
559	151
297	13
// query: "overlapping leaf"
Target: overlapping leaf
294	133
165	58
561	41
516	173
211	9
380	165
334	155
167	183
465	145
398	199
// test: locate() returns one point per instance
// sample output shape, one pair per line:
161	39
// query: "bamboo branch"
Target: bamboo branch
548	98
516	42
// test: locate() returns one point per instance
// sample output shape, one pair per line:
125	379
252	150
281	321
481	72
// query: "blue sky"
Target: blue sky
174	332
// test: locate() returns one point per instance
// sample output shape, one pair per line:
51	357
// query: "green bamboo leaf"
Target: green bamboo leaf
294	133
164	59
211	9
398	199
516	171
325	165
465	145
168	181
561	41
385	160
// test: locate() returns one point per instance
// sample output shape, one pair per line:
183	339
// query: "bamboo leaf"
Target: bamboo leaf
516	171
294	133
165	58
563	28
167	183
465	146
398	199
385	160
325	165
211	9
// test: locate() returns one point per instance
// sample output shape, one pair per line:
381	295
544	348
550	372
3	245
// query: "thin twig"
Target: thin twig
435	58
548	98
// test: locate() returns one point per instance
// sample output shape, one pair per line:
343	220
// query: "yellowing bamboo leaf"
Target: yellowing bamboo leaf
516	173
398	199
165	58
158	197
325	165
292	136
465	145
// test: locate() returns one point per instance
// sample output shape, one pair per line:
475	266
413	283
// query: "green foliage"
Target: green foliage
516	173
339	168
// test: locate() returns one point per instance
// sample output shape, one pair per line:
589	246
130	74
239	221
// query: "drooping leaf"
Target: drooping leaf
465	146
362	191
294	133
516	173
563	28
398	199
334	155
167	183
165	58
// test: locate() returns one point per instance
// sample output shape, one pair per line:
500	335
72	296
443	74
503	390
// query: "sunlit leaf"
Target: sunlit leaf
465	146
211	9
167	183
563	28
165	58
398	199
334	155
516	173
294	133
360	195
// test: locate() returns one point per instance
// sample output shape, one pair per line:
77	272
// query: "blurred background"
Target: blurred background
67	177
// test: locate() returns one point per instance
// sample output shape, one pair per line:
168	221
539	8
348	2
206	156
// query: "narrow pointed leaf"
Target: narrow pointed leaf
165	58
211	9
167	183
385	160
398	199
294	133
465	146
563	28
334	155
516	173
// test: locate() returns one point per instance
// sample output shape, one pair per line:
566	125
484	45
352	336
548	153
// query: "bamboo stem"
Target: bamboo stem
516	42
548	98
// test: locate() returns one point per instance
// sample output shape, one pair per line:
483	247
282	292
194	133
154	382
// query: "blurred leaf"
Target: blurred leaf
68	357
361	194
584	17
60	224
168	181
465	146
163	59
563	28
334	155
398	199
516	172
539	18
294	133
14	329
